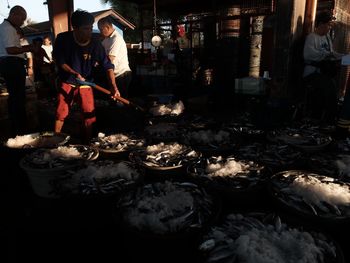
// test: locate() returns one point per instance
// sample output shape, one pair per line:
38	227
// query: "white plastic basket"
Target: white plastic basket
53	182
46	182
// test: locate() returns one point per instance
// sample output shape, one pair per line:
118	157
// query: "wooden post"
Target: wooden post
289	29
255	46
59	14
310	14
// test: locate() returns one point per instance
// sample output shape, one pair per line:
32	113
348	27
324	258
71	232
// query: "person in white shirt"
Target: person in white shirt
47	68
12	67
321	68
117	52
47	46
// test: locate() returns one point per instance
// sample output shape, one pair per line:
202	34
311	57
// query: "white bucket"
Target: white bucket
54	182
48	182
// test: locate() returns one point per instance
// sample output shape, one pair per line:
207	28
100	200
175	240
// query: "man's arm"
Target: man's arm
109	67
312	50
19	50
71	71
30	66
112	58
59	57
111	79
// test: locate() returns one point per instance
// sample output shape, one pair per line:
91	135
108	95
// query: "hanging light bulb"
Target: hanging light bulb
8	4
156	40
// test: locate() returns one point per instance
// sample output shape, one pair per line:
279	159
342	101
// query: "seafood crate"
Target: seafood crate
307	140
102	180
166	216
116	146
210	142
315	198
164	161
47	168
21	145
238	182
263	237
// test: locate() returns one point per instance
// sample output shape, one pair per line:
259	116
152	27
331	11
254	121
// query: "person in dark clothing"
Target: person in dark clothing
76	53
12	68
38	59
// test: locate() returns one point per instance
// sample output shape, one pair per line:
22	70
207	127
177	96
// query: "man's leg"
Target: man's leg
88	108
65	99
14	73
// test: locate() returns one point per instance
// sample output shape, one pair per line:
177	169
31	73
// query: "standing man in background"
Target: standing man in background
117	52
12	67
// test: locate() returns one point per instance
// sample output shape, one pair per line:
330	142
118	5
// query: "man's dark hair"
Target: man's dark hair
324	18
105	21
46	37
81	18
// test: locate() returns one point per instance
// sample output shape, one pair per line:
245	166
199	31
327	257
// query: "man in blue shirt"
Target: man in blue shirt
76	53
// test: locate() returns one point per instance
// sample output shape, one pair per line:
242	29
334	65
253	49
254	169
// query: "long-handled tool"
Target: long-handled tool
108	92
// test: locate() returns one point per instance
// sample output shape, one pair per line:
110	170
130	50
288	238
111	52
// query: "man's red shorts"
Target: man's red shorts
83	95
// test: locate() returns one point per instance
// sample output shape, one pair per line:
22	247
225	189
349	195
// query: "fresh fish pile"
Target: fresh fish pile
59	157
331	164
249	239
316	128
163	131
166	155
313	194
117	142
246	129
271	155
37	140
205	139
196	122
167	109
343	145
300	137
228	172
105	177
166	208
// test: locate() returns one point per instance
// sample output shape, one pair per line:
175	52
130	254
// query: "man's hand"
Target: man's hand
30	71
116	92
79	77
